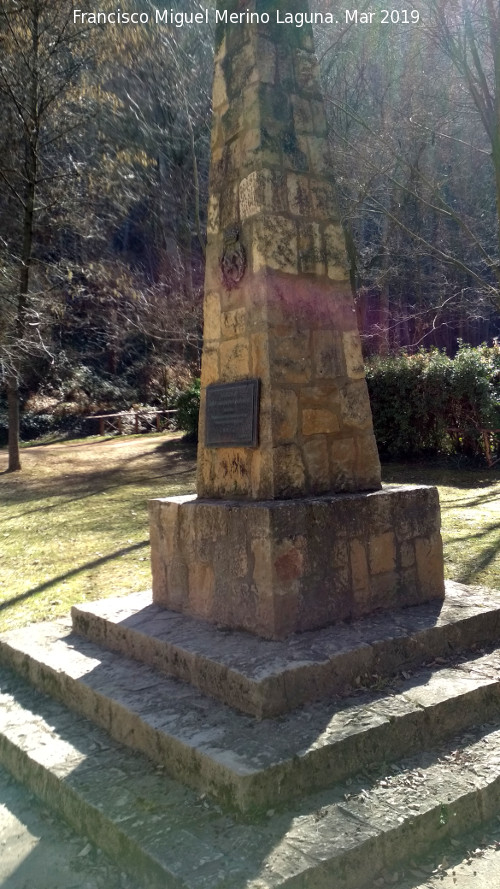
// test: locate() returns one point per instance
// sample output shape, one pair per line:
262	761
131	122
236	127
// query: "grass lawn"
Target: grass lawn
73	523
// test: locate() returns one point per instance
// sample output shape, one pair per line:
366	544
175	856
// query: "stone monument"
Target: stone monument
290	530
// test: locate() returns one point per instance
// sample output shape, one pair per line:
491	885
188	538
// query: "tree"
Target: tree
468	31
426	264
138	276
42	57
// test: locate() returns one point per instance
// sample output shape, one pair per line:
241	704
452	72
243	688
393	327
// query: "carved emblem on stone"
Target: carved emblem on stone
233	261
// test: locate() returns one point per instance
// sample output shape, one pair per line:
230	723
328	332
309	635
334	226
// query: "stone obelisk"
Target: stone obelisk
278	305
283	535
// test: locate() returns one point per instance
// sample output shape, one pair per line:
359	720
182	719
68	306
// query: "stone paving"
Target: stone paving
242	762
470	862
266	678
156	827
371	822
39	850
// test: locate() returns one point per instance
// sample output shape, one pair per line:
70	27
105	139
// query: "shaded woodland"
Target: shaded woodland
104	153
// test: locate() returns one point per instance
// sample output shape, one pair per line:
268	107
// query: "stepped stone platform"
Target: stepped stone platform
243	764
186	791
166	835
266	678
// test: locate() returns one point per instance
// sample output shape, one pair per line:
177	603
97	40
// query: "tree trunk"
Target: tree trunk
31	167
13	419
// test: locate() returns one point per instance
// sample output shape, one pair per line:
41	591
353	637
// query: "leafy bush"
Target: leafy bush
188	409
417	399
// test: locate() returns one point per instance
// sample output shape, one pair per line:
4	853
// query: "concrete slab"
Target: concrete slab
267	678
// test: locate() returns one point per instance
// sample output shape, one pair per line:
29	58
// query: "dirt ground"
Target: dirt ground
39	851
107	455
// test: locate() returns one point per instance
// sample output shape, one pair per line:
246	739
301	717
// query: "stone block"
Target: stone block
256	194
209	366
299	201
323	199
201	585
316	422
355	406
322	393
266	52
353	355
359	565
303	115
319	155
234	359
250	143
407	554
306	70
219	94
384	592
275	245
367	467
285	413
211	313
283	566
310	249
336	258
242	70
411	524
233	323
232	118
319	117
429	560
260	356
288	470
297	157
327	354
343	455
213	215
290	358
315	453
229	198
382	553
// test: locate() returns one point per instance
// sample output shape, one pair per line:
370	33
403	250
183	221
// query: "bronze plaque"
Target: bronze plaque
232	414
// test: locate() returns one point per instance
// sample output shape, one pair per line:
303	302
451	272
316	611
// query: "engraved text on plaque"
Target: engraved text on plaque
232	412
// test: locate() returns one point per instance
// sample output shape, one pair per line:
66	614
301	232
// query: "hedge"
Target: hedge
416	399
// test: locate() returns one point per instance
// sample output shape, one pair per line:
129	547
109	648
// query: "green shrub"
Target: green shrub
188	409
417	399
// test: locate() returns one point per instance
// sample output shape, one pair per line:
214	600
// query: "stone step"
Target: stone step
243	763
266	678
167	836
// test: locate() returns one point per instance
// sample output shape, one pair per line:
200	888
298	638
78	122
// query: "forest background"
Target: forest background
104	154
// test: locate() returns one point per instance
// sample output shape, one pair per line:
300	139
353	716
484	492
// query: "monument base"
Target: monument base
284	566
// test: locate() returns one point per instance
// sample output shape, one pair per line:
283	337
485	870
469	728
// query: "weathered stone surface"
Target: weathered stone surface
289	319
257	761
317	421
322	552
256	551
353	355
310	366
126	805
